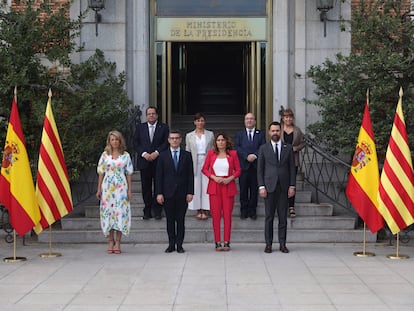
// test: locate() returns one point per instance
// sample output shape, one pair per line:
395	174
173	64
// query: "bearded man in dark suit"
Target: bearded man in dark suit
276	178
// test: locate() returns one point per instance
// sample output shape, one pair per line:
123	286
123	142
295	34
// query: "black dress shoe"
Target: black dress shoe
180	249
243	216
268	249
254	217
170	249
146	217
158	217
284	249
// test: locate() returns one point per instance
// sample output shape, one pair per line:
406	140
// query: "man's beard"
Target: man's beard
275	137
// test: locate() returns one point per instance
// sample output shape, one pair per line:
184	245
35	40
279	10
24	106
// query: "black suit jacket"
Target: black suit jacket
174	183
270	172
244	147
143	144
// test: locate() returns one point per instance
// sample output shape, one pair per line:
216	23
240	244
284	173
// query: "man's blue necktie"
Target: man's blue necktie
176	159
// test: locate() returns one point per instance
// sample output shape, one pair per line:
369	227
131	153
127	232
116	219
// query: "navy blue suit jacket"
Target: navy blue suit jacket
143	144
174	183
244	147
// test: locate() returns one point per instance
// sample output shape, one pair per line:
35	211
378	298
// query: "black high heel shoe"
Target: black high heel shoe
226	246
219	248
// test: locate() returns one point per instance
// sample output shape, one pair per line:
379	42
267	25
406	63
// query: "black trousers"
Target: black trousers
175	210
276	202
292	199
147	184
248	192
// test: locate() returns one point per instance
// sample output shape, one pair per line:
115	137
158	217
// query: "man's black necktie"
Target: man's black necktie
277	153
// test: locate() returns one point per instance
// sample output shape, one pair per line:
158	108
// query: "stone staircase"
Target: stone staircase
313	223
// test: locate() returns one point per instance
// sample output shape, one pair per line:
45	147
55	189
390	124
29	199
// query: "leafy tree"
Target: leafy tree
88	100
382	61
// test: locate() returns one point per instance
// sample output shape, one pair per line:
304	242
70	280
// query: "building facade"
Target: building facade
217	56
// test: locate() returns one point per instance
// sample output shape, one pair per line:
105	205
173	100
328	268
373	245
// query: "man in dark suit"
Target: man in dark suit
151	138
276	178
247	143
174	187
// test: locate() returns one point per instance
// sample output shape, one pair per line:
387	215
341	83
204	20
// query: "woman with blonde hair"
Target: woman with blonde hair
114	190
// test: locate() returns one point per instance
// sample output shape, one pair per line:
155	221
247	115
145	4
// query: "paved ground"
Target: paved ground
311	277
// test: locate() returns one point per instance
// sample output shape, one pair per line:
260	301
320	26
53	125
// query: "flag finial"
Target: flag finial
15	91
401	92
368	96
49	93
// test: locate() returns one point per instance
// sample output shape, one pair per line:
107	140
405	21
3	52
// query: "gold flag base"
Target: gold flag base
397	256
364	254
14	259
50	255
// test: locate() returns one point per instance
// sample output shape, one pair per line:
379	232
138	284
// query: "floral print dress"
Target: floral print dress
115	208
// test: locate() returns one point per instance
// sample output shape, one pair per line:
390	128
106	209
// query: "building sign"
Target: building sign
211	29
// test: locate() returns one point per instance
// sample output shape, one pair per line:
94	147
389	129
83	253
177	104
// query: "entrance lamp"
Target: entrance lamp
324	6
96	5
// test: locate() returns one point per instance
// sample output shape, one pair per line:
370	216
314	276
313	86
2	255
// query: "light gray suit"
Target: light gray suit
276	176
200	199
190	145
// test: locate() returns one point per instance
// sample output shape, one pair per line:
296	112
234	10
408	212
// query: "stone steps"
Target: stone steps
300	222
313	223
159	236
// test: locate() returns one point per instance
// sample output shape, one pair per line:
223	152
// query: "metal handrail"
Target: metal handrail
326	173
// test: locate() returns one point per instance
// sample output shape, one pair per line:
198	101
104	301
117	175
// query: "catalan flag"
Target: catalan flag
396	191
17	192
52	189
363	180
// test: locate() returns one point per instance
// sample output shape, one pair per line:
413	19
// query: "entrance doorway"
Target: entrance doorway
209	77
216	78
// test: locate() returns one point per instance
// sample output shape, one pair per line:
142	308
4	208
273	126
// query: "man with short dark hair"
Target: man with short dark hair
151	138
174	188
276	176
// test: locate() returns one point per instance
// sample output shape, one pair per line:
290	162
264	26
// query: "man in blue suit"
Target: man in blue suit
247	143
151	138
174	188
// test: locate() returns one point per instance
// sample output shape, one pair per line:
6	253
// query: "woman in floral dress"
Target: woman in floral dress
114	190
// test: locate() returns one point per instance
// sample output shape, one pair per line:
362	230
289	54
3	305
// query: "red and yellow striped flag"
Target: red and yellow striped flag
396	191
17	192
52	189
363	180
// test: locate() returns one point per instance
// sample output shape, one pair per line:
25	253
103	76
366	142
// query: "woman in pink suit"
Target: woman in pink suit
222	167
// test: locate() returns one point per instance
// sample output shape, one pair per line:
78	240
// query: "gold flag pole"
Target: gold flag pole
14	258
50	254
364	253
397	255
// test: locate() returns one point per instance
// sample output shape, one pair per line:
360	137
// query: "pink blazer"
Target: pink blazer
234	169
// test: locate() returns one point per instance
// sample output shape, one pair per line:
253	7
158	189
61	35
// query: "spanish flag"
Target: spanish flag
17	191
363	180
396	191
52	189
